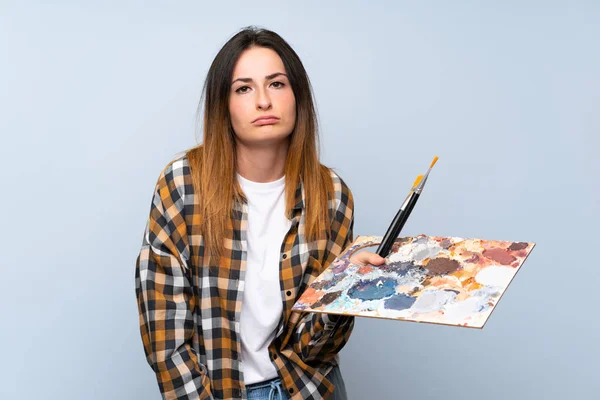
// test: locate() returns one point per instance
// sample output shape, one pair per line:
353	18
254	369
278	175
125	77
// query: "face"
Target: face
262	106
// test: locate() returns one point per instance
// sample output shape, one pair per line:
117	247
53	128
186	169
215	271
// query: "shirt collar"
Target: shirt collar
299	201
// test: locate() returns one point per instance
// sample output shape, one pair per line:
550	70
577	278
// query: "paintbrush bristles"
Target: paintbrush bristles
424	179
417	181
433	162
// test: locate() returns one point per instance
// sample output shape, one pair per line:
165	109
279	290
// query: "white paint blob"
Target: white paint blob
432	300
495	275
457	312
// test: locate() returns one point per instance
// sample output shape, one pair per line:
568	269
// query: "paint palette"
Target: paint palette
441	280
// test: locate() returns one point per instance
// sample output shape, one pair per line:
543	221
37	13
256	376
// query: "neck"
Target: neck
262	164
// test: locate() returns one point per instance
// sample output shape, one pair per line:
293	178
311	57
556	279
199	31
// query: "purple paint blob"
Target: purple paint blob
400	268
324	285
341	267
445	244
518	246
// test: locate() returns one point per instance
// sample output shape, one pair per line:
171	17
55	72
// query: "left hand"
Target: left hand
366	257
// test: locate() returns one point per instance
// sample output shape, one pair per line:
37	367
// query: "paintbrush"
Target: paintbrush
402	215
396	226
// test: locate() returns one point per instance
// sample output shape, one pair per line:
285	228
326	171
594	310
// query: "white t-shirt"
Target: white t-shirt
262	305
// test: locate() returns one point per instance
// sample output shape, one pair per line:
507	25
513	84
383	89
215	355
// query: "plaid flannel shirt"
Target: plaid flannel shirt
189	309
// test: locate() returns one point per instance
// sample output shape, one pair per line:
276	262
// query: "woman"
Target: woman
238	227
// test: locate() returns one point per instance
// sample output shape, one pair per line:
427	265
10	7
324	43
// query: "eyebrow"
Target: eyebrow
268	77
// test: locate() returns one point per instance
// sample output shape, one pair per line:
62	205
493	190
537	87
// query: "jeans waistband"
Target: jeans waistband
262	384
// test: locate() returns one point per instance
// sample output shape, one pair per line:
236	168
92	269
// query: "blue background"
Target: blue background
97	98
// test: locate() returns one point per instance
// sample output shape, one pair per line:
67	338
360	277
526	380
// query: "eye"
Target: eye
277	84
242	89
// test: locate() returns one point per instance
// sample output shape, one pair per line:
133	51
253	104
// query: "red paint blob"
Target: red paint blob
499	255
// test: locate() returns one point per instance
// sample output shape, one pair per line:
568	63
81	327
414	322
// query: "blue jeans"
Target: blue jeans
273	389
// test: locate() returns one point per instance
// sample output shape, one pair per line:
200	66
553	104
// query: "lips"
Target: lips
266	120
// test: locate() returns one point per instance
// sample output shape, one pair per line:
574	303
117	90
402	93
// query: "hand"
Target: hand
366	257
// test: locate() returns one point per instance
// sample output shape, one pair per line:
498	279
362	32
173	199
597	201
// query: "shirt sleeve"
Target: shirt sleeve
313	336
166	300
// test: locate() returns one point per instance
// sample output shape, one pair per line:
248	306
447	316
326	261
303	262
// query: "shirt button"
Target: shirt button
291	390
289	292
284	256
274	356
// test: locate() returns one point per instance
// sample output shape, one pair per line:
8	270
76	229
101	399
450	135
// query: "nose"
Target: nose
263	101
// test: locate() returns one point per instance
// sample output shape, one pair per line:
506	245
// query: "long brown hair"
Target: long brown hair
213	163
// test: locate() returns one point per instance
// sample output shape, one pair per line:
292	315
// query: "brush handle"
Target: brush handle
396	226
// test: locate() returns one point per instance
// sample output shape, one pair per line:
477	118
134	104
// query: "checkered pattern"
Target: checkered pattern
190	306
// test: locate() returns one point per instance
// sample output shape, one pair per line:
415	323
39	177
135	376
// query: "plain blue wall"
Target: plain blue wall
96	99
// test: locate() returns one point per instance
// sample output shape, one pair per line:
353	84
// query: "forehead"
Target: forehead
257	62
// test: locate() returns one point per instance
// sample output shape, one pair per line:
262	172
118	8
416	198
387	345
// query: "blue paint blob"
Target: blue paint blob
375	289
399	302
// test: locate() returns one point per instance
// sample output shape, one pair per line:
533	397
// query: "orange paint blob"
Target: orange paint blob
311	295
365	270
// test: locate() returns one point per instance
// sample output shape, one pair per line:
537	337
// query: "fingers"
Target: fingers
374	259
367	257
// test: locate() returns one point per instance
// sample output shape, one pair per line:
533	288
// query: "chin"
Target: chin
265	137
